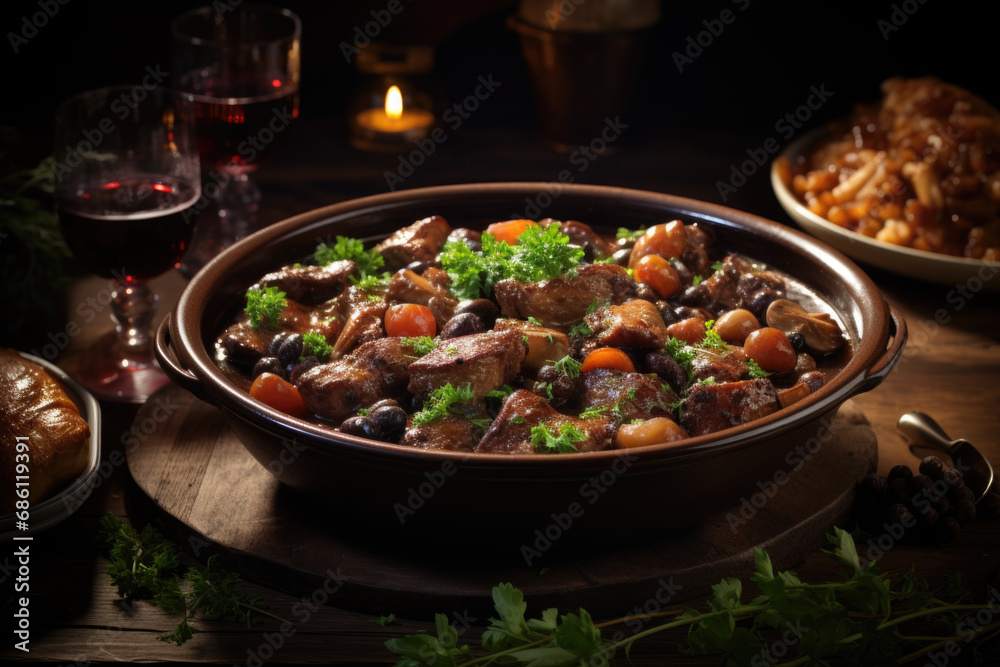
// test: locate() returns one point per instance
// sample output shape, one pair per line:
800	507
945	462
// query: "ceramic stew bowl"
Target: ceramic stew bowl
613	495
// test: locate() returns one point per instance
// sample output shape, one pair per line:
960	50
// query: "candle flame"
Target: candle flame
394	103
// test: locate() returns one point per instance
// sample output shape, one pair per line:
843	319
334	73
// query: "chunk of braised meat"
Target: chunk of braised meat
510	432
736	283
668	369
419	242
723	367
695	257
594	245
374	371
311	285
245	345
405	286
714	407
636	323
484	361
452	433
562	302
625	396
364	325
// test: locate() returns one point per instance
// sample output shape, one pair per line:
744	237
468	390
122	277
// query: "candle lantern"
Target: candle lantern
397	103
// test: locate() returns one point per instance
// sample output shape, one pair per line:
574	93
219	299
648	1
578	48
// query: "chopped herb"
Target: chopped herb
540	253
593	412
421	345
534	321
373	281
383	621
517	419
441	401
625	233
264	307
755	371
562	441
569	367
681	353
314	345
696	280
544	386
713	341
549	338
482	423
631	393
367	261
501	393
580	330
595	305
451	350
364	412
707	381
717	266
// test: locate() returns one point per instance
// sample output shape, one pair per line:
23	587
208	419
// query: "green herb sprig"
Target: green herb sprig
444	401
264	307
314	345
864	617
366	261
144	565
561	441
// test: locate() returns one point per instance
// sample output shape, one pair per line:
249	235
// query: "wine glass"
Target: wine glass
127	174
240	67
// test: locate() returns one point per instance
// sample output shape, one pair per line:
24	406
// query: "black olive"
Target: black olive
276	342
666	312
695	295
290	350
621	257
485	309
797	340
360	426
902	471
389	422
462	324
646	293
298	369
759	301
469	237
267	365
419	267
382	403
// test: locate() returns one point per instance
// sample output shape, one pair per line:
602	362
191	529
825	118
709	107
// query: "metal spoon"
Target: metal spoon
976	470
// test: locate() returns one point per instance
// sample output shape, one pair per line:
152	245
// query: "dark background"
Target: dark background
760	68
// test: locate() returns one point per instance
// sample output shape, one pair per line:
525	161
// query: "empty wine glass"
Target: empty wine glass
127	173
240	67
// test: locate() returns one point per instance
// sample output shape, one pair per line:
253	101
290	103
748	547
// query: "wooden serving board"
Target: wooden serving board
197	483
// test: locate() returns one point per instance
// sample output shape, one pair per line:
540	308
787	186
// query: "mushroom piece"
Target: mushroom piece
819	330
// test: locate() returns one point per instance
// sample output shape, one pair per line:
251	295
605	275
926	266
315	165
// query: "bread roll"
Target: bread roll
35	406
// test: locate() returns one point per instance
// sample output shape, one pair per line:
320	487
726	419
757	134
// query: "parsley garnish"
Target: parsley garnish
314	345
580	330
681	353
707	381
625	233
144	565
367	261
597	305
593	412
862	616
755	371
440	402
534	321
696	280
562	441
569	367
370	282
713	341
264	307
717	266
540	253
421	345
501	393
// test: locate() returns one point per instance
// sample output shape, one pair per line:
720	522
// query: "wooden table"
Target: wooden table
951	369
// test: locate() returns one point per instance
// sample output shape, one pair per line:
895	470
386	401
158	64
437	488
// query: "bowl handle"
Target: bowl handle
884	365
171	365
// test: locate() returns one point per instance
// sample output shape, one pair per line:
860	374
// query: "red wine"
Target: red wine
134	227
242	125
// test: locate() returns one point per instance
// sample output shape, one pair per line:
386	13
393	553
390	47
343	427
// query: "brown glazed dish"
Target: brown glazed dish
610	495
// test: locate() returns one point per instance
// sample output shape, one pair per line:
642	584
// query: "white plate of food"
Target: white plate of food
904	186
62	455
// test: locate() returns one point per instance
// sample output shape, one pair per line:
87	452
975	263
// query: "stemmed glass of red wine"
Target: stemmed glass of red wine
127	175
240	67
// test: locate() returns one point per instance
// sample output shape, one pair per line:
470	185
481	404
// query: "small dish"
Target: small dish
70	497
920	264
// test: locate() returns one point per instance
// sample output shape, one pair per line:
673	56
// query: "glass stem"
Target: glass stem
133	306
238	201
